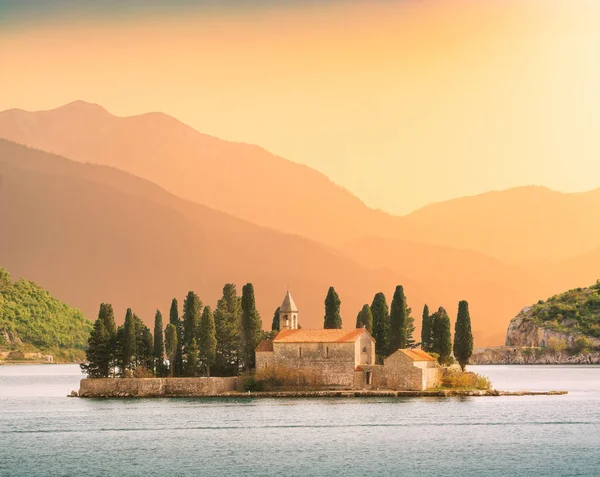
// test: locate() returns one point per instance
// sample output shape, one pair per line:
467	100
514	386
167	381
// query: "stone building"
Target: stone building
325	357
403	370
340	359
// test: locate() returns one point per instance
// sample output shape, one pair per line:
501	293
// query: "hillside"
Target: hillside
99	234
514	226
32	319
525	225
94	234
241	179
563	317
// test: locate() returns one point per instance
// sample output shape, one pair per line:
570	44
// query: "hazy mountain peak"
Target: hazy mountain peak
80	106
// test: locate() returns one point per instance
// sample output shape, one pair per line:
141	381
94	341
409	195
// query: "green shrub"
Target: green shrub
455	379
250	384
483	383
557	345
582	345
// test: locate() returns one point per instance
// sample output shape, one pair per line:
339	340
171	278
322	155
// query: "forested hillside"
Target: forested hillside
32	319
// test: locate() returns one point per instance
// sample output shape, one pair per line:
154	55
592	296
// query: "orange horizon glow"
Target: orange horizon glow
402	103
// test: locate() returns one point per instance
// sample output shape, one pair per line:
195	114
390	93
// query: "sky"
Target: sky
404	103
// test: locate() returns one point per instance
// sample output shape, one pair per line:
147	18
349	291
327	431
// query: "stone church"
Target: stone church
341	358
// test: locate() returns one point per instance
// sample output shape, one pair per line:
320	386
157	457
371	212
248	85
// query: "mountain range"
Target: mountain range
139	209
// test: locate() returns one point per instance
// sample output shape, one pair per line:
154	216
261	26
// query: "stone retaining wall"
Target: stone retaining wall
157	387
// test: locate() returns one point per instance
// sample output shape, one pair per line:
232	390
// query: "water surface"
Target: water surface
42	432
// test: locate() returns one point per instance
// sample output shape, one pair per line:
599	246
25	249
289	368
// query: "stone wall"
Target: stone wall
365	350
334	362
157	387
264	359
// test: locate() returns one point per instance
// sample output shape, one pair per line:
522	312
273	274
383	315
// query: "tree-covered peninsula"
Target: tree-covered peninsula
32	320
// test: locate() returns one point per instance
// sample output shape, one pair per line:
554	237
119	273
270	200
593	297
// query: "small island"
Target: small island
226	353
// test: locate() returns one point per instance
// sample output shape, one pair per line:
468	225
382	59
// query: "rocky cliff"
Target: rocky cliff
564	329
562	318
523	330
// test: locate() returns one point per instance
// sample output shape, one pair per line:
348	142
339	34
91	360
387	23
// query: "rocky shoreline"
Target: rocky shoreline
507	355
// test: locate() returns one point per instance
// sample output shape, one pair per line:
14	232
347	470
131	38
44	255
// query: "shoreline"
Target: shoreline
30	362
338	394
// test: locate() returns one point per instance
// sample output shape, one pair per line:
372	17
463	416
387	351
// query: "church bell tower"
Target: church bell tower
288	314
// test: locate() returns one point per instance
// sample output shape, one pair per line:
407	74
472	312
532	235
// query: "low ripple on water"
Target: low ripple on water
44	433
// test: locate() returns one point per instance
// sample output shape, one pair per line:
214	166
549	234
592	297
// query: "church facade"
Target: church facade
340	358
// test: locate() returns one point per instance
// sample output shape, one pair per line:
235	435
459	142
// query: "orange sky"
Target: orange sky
403	103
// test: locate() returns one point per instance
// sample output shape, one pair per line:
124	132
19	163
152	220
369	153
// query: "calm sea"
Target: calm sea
42	432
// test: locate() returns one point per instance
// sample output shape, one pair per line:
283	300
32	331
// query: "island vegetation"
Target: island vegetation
576	311
200	342
33	321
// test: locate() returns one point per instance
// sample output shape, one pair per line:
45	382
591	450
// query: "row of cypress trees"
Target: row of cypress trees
436	336
127	347
199	342
391	327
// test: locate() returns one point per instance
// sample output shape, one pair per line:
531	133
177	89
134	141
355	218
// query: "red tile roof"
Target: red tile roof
417	354
265	345
319	336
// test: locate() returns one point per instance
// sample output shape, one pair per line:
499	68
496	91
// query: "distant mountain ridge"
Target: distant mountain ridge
96	234
249	182
498	250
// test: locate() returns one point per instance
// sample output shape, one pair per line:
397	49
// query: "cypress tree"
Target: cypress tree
333	319
426	330
171	341
144	345
159	345
228	317
442	337
275	324
129	343
410	329
379	310
192	310
251	326
463	336
398	321
191	359
97	356
365	319
108	315
208	339
177	363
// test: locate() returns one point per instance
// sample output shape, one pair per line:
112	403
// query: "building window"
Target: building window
327	352
300	351
369	378
365	349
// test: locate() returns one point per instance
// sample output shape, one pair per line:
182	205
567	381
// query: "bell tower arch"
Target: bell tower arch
288	314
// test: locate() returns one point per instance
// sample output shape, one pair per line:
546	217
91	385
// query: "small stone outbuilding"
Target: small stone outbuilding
403	370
